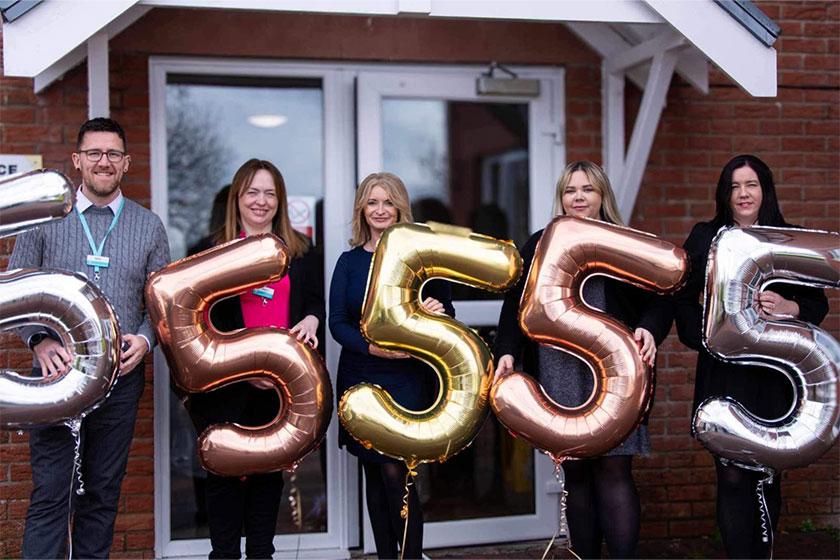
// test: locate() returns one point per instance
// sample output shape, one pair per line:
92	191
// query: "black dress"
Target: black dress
632	306
409	381
764	391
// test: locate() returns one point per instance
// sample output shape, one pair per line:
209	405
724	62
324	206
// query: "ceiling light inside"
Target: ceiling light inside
268	121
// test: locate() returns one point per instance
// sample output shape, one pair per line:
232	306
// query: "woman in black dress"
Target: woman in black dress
745	196
381	201
603	503
256	204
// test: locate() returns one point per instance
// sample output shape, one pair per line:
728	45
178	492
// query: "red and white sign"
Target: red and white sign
302	215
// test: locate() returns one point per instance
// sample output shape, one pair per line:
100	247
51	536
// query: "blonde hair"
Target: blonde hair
395	188
599	181
281	226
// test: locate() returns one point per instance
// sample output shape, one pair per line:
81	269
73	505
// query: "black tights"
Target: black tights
602	504
738	513
385	487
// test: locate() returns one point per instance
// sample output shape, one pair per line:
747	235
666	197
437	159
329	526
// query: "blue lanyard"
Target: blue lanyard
97	250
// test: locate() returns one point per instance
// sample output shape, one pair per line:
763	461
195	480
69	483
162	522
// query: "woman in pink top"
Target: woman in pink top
257	204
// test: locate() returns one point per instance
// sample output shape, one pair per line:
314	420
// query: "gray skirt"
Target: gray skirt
569	382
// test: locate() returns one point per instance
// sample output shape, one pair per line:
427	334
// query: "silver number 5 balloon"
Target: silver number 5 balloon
64	302
741	262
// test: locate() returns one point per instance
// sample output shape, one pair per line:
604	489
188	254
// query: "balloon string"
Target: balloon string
562	523
295	502
409	481
766	525
75	425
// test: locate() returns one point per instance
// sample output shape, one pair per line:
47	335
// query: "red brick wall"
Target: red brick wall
797	133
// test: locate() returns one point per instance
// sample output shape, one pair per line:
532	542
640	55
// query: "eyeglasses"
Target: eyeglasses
114	156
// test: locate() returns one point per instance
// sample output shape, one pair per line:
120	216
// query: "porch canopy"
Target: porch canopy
645	41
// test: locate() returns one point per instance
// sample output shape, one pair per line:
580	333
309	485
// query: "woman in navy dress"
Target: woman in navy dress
745	196
381	201
603	503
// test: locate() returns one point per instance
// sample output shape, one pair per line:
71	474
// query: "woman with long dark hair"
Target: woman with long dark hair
745	196
603	503
256	204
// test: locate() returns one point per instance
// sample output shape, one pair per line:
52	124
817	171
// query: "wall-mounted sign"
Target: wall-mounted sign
11	164
302	215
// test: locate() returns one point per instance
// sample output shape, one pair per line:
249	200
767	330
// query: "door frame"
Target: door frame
340	177
546	152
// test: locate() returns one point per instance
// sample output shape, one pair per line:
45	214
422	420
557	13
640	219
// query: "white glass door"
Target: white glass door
488	163
207	118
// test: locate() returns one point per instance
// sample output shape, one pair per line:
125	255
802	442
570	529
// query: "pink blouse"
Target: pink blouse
264	310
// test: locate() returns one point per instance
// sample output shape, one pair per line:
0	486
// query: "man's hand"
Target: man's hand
53	358
132	355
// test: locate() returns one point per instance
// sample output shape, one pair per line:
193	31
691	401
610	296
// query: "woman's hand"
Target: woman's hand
647	345
504	365
306	330
432	305
388	354
773	306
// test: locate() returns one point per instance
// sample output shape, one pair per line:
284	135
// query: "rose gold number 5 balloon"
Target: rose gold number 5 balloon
202	359
407	255
741	263
552	313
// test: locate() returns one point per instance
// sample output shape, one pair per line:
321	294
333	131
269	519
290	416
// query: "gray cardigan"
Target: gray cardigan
136	247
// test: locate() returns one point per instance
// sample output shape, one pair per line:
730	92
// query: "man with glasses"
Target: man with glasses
116	243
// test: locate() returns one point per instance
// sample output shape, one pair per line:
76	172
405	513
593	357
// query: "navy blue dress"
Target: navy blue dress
410	382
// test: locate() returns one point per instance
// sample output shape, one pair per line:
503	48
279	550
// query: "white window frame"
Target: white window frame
340	149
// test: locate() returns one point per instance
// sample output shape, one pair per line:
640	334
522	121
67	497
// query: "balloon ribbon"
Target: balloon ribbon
295	501
409	481
562	532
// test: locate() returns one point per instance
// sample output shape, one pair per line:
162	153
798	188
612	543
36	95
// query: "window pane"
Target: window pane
214	125
464	163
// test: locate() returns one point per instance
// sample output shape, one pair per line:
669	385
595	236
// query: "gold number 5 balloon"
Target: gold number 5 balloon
407	256
203	359
552	313
741	263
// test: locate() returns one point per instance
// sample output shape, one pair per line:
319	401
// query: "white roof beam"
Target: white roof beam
725	42
644	130
99	86
644	52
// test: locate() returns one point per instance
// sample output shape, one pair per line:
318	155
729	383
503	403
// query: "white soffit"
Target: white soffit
45	42
725	42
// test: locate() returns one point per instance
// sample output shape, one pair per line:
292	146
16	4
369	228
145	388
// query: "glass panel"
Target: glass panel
493	477
466	163
214	125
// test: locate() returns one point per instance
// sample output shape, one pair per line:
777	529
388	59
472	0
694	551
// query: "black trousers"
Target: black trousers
239	504
251	504
106	435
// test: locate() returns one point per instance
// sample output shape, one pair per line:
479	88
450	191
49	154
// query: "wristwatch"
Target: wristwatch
36	339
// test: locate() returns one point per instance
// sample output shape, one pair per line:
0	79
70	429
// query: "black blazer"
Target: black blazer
762	390
631	305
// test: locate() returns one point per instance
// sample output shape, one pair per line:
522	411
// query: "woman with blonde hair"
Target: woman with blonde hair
256	205
603	502
381	201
